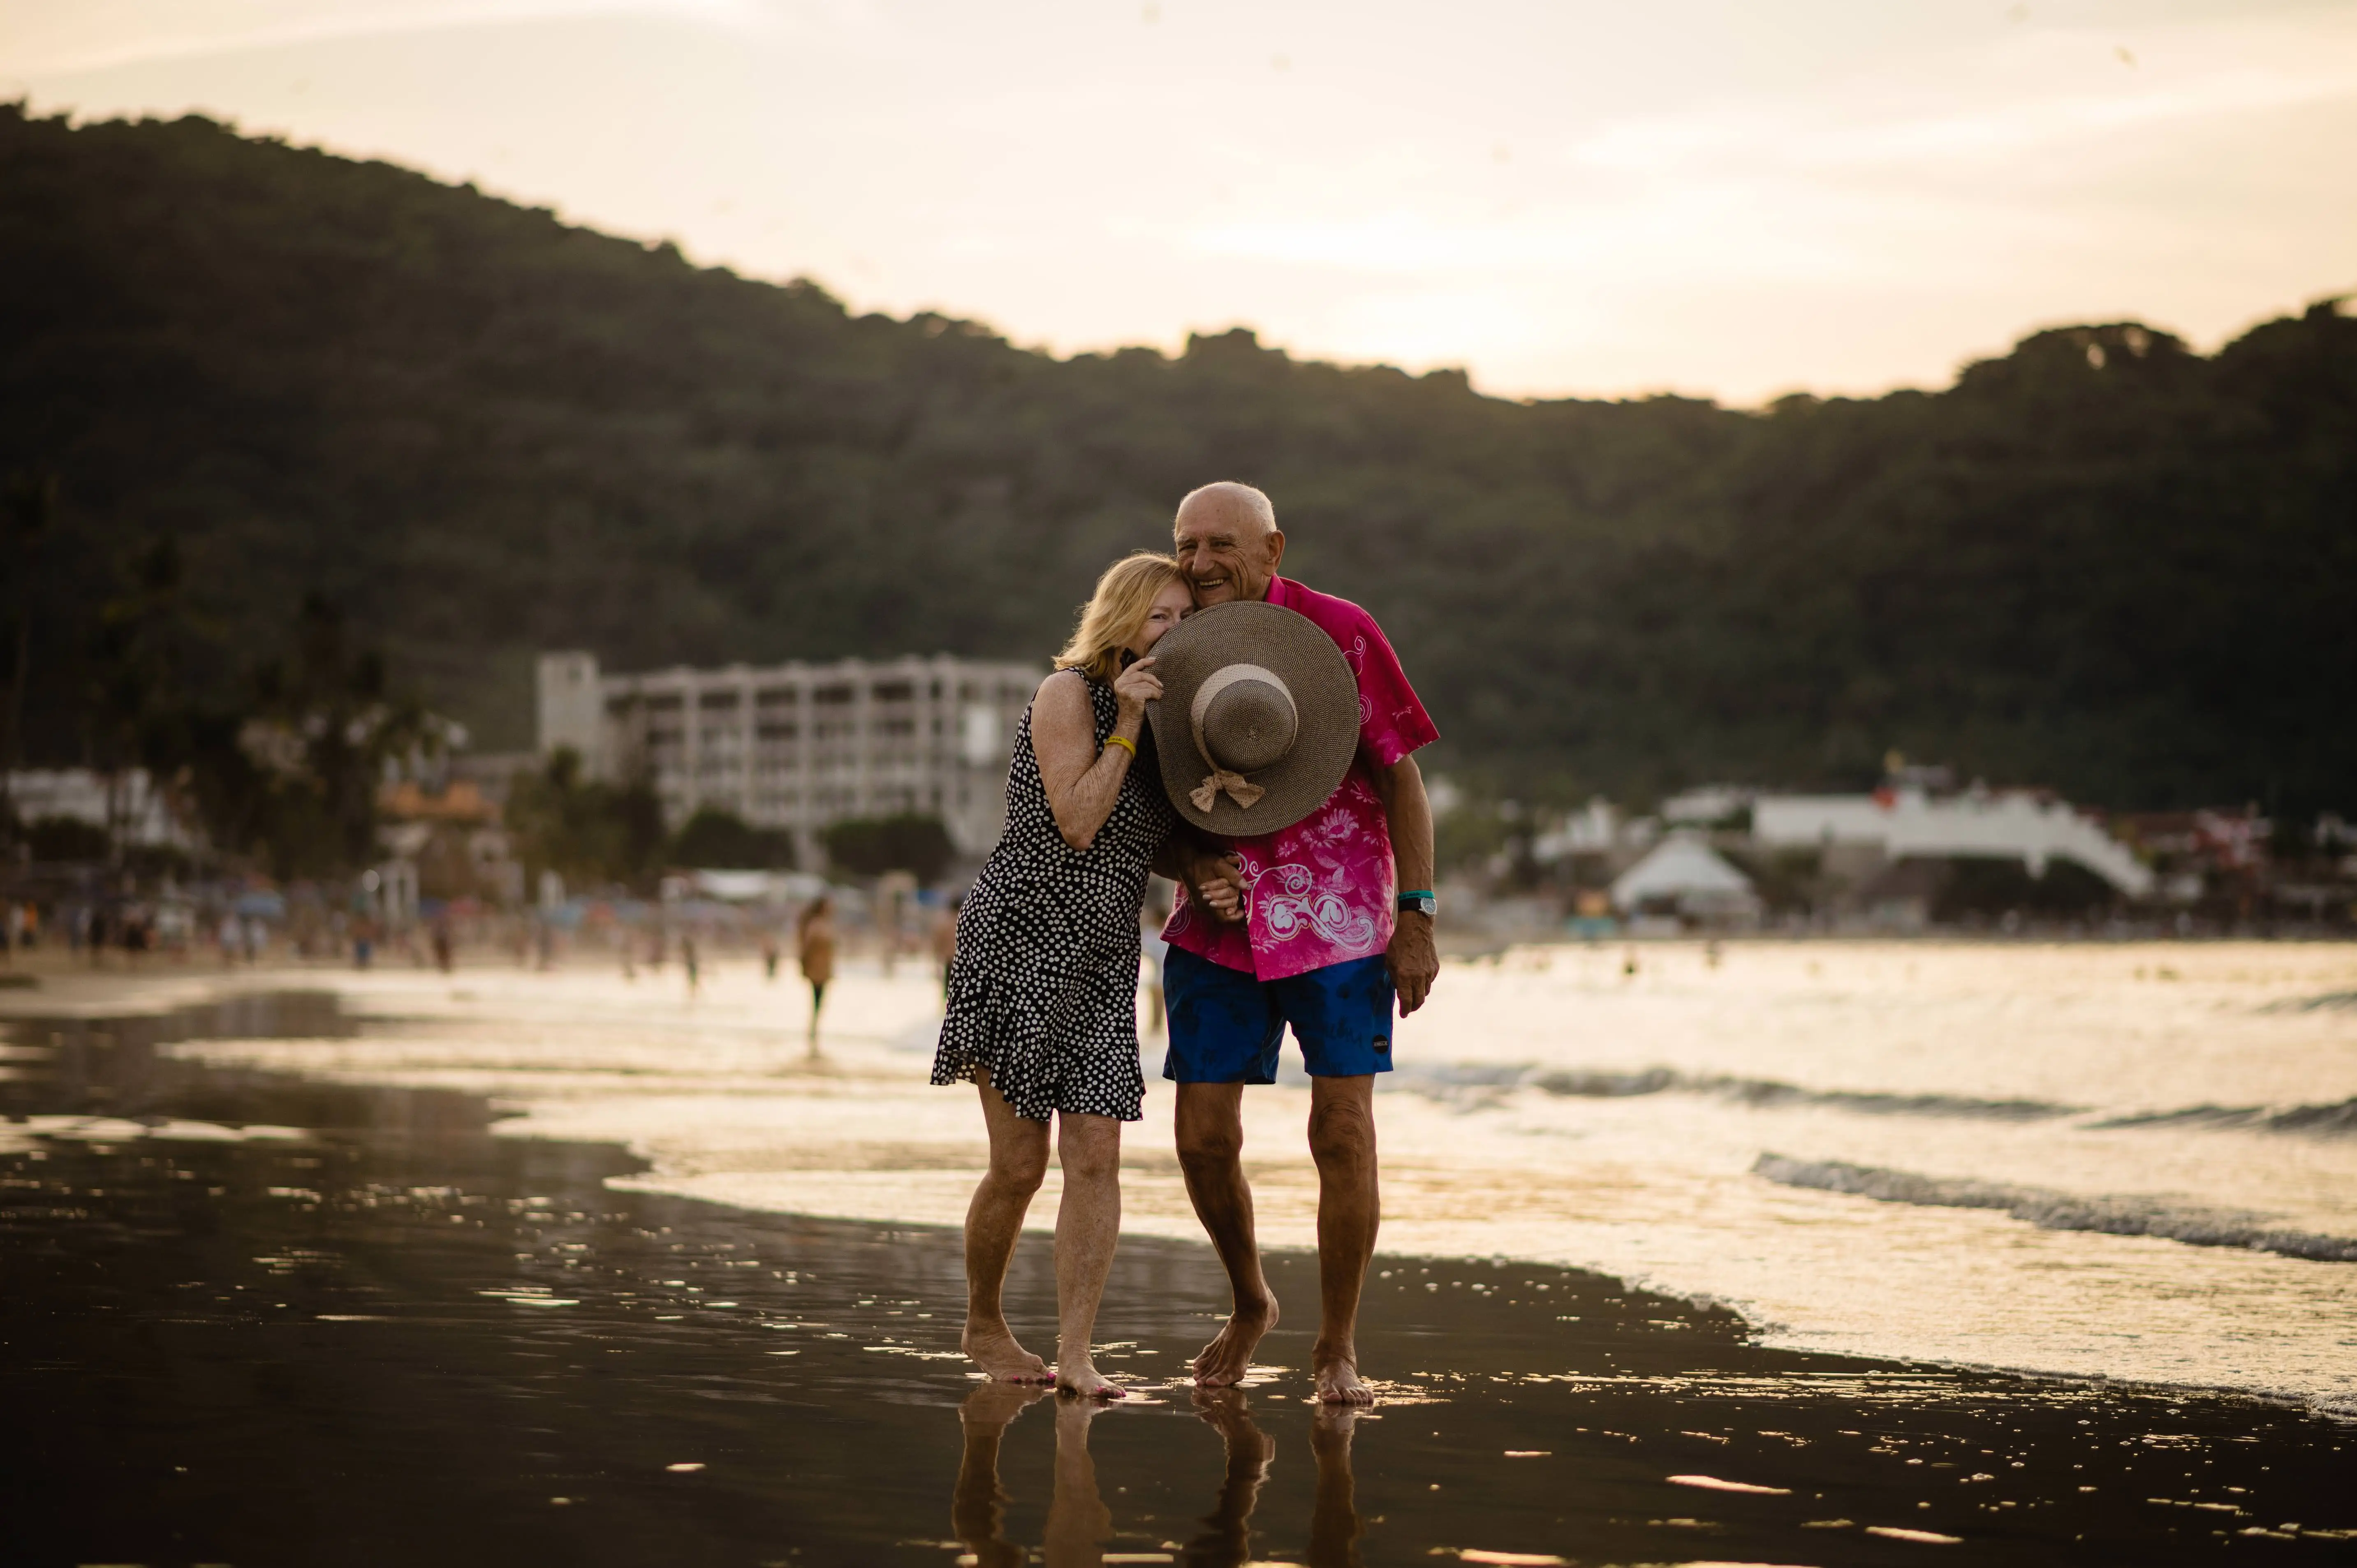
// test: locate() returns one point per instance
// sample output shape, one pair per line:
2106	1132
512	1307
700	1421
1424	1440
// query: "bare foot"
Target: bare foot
1224	1361
1083	1378
1337	1380
992	1347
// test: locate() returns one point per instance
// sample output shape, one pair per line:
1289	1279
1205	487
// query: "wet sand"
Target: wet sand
2132	1161
256	1318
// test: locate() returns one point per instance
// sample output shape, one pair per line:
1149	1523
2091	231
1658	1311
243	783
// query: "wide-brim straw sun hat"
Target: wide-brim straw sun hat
1258	718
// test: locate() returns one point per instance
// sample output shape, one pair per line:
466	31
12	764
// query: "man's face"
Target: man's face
1226	550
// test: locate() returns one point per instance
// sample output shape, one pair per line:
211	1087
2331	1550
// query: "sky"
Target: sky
1733	198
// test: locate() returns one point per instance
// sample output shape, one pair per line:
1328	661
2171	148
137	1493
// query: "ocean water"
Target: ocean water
2133	1163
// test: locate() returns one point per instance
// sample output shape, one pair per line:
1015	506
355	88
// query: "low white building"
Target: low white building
801	746
129	800
2010	824
1690	877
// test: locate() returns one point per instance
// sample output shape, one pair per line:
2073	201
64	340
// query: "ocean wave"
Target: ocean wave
2130	1215
2332	1001
1764	1092
2337	1121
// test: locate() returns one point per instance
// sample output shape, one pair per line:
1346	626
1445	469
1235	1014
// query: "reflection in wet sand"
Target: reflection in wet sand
1079	1522
1226	1538
1334	1522
978	1507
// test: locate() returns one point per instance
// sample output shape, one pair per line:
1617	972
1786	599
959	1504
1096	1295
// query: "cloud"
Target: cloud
2034	99
108	34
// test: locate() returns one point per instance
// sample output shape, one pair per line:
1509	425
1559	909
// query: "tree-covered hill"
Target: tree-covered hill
2102	562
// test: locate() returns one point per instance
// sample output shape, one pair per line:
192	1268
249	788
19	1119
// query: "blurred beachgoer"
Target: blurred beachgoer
769	955
231	938
257	937
15	937
1042	1012
363	942
815	948
441	946
1259	940
1154	949
945	941
687	958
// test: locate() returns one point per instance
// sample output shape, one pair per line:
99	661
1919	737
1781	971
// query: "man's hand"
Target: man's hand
1218	883
1414	961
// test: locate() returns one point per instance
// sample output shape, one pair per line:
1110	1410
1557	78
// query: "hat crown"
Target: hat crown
1259	718
1249	723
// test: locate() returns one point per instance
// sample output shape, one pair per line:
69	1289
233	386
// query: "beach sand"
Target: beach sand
380	1274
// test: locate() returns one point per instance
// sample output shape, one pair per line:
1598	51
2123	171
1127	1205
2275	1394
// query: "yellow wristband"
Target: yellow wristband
1126	745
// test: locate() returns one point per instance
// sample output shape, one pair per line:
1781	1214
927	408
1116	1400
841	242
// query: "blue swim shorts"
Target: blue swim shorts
1226	1027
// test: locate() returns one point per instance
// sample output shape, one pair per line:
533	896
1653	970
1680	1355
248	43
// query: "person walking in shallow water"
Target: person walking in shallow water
1042	1011
815	946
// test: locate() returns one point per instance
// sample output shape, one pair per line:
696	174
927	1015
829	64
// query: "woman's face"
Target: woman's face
1171	606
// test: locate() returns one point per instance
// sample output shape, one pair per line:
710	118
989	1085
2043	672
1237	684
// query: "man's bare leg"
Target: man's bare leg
1018	1163
1210	1132
1350	1209
1088	1226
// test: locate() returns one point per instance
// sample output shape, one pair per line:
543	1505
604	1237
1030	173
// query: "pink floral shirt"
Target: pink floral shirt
1322	891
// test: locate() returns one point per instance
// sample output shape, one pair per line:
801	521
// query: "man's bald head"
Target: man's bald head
1227	541
1238	505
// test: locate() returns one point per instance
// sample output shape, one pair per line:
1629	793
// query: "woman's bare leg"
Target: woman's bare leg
1018	1162
1088	1225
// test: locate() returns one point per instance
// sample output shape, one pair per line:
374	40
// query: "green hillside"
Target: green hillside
2102	562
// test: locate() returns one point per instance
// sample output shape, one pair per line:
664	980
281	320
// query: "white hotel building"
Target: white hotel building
801	746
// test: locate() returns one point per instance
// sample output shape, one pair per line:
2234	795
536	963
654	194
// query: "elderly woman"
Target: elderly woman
1043	984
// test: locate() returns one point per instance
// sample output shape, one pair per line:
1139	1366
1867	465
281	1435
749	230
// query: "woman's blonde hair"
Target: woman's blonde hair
1116	612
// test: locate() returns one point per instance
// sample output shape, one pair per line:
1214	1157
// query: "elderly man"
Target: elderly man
1317	925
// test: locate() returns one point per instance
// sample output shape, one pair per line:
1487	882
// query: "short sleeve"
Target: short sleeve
1392	720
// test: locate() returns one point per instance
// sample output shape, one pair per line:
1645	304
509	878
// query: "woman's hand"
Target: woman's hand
1218	883
1134	688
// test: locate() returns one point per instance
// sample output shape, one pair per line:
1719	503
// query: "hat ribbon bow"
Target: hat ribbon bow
1241	789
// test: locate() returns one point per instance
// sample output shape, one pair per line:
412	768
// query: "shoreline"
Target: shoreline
902	1188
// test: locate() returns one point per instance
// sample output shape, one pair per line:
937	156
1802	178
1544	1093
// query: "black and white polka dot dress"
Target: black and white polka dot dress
1043	988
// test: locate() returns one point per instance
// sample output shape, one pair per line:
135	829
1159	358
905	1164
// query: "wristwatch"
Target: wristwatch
1420	902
